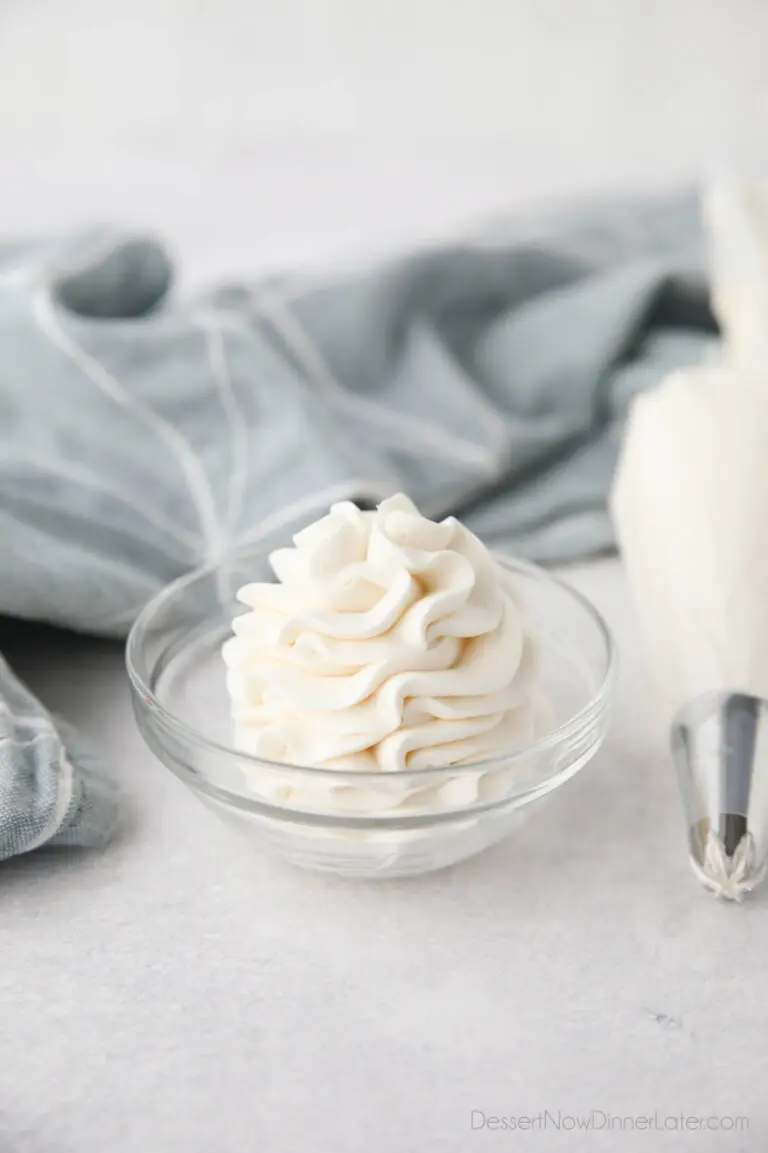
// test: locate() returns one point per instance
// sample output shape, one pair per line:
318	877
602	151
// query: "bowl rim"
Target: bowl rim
582	719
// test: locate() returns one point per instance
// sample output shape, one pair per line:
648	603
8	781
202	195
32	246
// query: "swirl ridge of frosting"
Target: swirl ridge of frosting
388	643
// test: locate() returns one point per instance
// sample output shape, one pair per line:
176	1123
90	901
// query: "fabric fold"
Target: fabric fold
53	789
142	436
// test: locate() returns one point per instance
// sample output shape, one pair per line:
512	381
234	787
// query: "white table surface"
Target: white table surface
178	993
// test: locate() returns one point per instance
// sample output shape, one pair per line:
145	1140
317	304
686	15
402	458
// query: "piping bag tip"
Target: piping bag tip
720	750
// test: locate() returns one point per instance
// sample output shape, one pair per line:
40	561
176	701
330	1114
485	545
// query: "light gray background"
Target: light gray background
179	994
254	133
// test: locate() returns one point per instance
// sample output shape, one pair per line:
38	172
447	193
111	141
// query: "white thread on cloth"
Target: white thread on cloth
197	482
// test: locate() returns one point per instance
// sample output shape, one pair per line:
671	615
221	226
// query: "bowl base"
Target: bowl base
372	854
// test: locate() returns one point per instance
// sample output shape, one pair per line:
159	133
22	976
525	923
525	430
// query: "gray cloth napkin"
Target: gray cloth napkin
52	788
141	436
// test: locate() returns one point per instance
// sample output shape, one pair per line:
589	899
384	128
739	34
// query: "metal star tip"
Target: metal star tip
720	750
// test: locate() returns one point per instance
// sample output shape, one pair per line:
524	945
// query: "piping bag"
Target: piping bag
690	509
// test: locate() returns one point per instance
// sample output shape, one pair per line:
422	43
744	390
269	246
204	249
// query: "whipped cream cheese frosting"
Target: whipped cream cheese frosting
388	642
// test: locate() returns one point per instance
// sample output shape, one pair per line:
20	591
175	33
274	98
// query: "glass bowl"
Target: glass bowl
364	824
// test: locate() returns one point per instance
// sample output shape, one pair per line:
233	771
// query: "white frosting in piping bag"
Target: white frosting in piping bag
736	218
390	643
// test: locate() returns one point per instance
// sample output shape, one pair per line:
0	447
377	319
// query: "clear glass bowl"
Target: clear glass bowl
365	824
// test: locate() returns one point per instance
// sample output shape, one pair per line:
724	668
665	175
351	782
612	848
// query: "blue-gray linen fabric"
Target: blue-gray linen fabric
141	436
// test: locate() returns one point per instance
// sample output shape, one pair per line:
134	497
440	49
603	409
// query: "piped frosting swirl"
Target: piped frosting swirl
389	643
